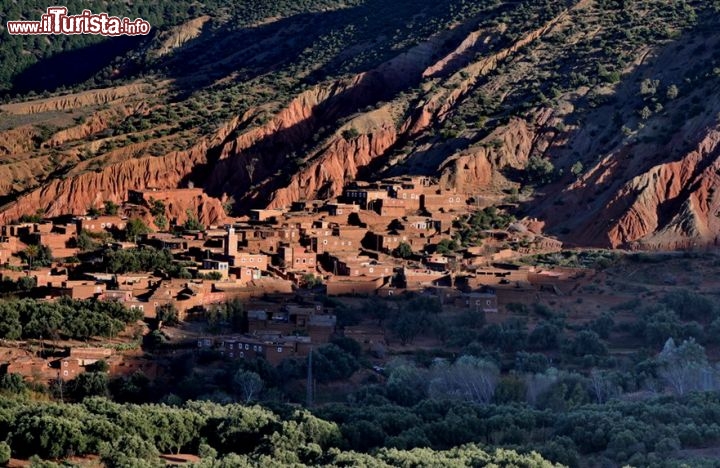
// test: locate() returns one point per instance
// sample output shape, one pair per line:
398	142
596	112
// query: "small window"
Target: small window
259	349
232	355
65	372
65	363
242	354
279	349
232	346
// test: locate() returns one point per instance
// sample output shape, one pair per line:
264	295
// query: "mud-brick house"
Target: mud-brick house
389	241
395	208
266	216
359	285
210	265
341	209
298	259
81	289
409	193
291	320
419	278
249	260
125	366
17	230
5	255
273	349
244	275
363	196
31	368
8	247
354	265
100	224
478	301
443	201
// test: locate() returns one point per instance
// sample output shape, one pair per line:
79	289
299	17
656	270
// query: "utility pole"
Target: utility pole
309	389
60	383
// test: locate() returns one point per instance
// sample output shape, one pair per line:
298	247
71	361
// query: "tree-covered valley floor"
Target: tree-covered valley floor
582	375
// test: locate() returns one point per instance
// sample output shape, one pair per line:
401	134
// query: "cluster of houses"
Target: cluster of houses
346	246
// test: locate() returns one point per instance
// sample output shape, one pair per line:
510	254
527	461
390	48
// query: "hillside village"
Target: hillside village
386	238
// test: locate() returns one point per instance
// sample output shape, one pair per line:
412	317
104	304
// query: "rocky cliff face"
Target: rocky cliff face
338	162
76	194
78	100
671	205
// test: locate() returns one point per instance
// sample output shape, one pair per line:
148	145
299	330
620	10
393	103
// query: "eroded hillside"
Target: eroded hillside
600	118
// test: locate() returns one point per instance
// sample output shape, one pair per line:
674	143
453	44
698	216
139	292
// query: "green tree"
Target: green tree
539	171
310	280
403	250
377	309
12	383
167	314
406	384
135	228
586	342
85	242
192	223
408	324
577	168
544	337
98	366
131	450
30	254
350	133
5	453
446	246
161	222
90	384
157	207
26	283
111	209
331	363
